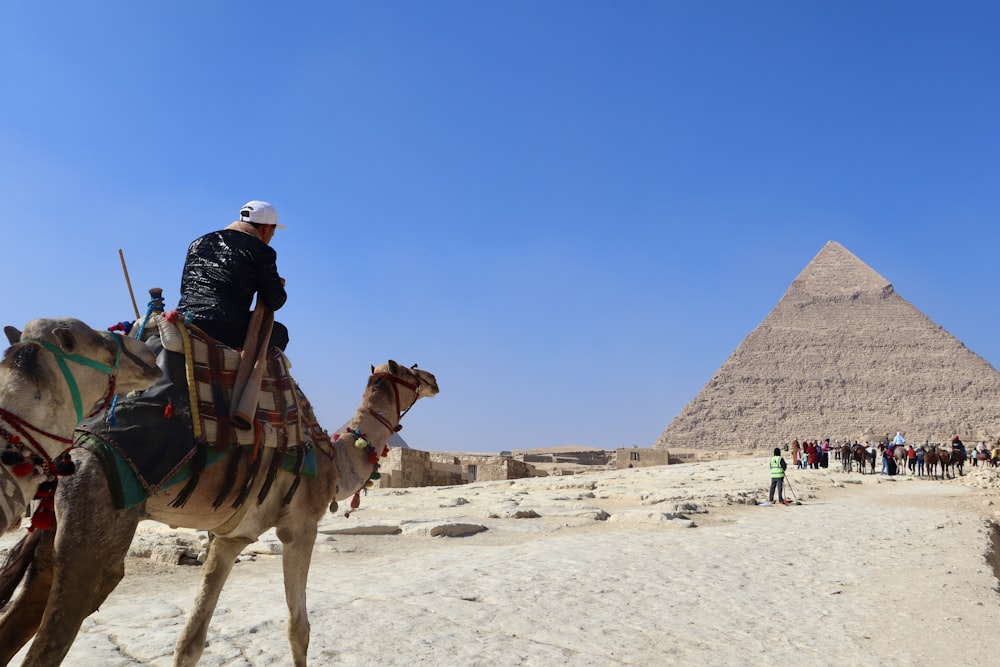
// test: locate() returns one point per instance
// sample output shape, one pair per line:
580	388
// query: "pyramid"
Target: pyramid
841	356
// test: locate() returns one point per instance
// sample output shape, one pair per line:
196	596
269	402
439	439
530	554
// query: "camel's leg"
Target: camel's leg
296	557
222	553
22	618
91	542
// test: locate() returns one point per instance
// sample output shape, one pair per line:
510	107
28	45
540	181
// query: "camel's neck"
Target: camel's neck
355	464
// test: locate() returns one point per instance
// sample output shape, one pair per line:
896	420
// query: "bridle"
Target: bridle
24	455
400	412
24	435
361	442
62	357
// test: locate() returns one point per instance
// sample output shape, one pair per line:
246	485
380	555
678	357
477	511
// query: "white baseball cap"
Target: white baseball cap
260	213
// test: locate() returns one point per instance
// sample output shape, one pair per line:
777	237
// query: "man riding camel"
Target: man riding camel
224	269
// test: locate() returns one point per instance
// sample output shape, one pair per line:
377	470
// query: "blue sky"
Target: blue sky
570	212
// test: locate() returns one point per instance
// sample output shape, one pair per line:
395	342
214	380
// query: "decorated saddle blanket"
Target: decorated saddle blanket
167	434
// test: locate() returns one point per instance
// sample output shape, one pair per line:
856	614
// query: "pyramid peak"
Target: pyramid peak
836	271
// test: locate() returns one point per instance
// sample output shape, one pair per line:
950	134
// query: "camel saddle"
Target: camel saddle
169	433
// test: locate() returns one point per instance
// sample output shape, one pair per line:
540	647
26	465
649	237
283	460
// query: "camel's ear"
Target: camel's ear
65	339
373	369
13	335
393	367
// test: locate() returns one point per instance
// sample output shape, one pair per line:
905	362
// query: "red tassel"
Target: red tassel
385	451
170	316
373	458
356	501
43	520
22	469
168	411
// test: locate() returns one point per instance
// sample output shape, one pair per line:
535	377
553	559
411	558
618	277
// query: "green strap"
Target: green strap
83	361
62	357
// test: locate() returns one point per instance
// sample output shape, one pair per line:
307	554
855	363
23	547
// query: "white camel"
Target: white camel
69	577
53	375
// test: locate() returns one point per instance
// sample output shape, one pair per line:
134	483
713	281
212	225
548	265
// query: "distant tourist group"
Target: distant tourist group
931	460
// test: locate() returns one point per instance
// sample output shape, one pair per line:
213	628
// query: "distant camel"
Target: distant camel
958	460
947	462
53	375
845	458
931	459
900	455
71	574
864	459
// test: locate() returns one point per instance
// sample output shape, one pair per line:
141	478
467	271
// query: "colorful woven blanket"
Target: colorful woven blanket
169	433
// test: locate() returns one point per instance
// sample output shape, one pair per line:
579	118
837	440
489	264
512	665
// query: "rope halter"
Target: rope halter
24	455
62	357
400	411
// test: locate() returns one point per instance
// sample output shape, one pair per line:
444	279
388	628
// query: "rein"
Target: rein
14	456
24	455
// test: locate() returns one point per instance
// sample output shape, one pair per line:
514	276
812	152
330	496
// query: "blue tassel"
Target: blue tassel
111	420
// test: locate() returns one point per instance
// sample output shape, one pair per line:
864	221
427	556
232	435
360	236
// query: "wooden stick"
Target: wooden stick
253	364
249	354
128	282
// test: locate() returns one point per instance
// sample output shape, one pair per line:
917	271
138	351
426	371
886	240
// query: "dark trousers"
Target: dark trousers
234	335
777	483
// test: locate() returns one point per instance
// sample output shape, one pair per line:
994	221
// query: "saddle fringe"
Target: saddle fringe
230	480
272	472
300	457
198	462
248	485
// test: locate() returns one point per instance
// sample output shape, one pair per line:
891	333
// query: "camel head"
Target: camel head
396	388
392	390
80	356
424	383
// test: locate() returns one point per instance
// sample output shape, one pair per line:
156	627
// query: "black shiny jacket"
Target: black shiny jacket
222	272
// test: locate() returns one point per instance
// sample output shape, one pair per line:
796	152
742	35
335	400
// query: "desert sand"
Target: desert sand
671	565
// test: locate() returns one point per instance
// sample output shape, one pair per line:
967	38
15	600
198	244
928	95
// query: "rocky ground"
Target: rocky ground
668	565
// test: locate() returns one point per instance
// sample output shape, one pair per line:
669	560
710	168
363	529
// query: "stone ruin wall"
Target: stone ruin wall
414	468
641	457
496	468
599	457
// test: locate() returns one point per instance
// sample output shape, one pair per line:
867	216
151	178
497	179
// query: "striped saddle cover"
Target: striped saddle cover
169	433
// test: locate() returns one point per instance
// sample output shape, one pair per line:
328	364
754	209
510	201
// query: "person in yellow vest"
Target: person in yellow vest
777	476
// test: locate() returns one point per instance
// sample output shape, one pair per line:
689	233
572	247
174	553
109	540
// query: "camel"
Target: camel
947	460
958	457
845	458
931	459
899	453
861	455
70	575
55	370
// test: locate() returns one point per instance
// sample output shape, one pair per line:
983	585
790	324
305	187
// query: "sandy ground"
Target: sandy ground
671	565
